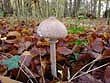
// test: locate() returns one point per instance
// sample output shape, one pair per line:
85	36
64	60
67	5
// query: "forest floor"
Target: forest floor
82	57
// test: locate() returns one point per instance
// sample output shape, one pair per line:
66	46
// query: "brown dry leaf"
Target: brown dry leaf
91	40
98	45
109	41
14	52
70	37
24	46
33	23
76	67
88	79
99	73
92	37
14	33
11	48
44	43
61	43
8	80
3	69
27	31
34	51
64	50
106	52
106	35
100	28
13	37
55	81
84	57
45	64
107	74
35	66
60	58
82	35
38	51
76	48
27	44
31	38
26	58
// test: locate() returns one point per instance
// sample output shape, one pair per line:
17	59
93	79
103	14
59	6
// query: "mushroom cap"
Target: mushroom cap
52	28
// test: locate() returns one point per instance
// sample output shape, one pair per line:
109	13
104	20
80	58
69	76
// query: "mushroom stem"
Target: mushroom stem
53	57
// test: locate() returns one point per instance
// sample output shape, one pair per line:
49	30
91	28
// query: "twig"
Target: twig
82	68
97	58
91	66
89	71
27	75
21	67
68	74
29	71
42	69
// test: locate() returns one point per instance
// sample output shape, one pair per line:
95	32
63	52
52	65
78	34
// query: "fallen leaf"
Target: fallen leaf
3	69
8	80
64	50
88	79
84	57
38	51
106	52
24	46
107	74
26	58
44	43
98	45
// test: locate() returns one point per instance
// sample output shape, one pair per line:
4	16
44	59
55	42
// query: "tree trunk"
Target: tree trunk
39	8
60	8
107	4
91	5
48	8
7	7
70	8
53	7
108	13
94	8
43	7
74	8
29	8
16	10
1	5
77	7
35	5
66	9
99	8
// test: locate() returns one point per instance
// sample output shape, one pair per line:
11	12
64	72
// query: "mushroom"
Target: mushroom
53	29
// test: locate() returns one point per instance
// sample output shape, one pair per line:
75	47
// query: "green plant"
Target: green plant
1	13
74	57
75	30
79	42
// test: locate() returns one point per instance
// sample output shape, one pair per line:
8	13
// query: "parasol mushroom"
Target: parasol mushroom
53	29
